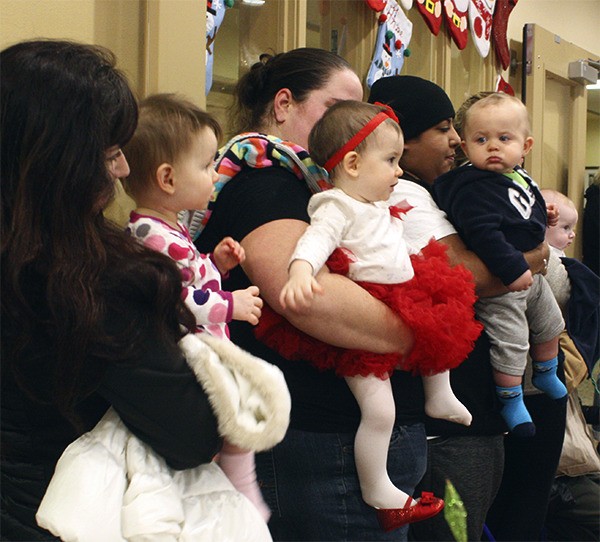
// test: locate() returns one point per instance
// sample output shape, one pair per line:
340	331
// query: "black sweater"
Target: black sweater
496	218
154	392
321	401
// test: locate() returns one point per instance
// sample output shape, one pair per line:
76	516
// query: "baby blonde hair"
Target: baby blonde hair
497	99
554	196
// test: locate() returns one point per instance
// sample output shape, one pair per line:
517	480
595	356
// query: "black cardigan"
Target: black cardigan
154	392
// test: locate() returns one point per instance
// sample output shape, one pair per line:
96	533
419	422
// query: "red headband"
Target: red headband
360	136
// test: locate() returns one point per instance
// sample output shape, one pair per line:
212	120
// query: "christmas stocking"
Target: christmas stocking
480	21
393	37
499	24
503	86
376	5
456	12
215	11
431	10
406	4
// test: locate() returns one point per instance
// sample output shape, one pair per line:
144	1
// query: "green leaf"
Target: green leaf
455	513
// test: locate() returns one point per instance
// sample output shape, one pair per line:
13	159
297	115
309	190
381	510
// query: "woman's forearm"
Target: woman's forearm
538	258
486	284
345	315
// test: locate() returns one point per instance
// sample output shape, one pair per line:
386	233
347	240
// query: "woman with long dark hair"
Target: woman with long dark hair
90	318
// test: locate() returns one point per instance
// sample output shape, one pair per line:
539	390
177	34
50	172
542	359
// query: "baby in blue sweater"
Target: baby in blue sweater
500	213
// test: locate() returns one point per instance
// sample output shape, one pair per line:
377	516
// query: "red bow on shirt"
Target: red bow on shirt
400	209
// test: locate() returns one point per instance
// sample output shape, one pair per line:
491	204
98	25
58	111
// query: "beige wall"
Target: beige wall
172	31
175	48
114	24
21	19
175	30
576	21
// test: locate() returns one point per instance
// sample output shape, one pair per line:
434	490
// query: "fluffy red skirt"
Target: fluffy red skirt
437	304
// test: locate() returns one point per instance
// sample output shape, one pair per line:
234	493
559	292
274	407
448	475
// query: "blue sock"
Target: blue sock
515	412
544	379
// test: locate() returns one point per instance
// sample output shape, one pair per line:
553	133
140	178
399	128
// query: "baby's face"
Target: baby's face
378	166
194	171
495	138
563	234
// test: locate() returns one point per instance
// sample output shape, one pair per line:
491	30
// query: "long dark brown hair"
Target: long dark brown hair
63	104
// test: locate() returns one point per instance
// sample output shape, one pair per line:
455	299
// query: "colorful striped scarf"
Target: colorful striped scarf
257	151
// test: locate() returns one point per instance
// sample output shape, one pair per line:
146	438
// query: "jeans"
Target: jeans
309	480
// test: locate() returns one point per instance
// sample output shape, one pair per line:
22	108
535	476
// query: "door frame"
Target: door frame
546	56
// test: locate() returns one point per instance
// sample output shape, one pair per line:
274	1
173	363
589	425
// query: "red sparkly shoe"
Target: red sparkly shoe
427	507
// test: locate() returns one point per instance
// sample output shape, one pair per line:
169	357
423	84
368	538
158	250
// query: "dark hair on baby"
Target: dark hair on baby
299	70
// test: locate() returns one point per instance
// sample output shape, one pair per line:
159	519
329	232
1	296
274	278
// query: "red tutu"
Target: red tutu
437	304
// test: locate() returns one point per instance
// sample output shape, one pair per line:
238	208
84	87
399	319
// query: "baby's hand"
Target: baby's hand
227	254
247	305
298	291
552	213
522	283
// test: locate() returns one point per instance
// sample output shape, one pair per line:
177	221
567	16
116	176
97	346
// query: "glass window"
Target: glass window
249	28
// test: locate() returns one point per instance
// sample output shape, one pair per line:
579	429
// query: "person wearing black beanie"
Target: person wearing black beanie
425	113
419	104
472	458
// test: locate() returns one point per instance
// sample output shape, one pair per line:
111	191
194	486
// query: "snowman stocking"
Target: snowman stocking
456	18
431	10
499	24
215	11
393	37
480	21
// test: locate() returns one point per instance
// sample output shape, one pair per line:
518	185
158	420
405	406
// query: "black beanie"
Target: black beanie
419	104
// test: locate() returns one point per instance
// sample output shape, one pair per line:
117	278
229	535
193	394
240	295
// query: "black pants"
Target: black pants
474	466
574	512
519	510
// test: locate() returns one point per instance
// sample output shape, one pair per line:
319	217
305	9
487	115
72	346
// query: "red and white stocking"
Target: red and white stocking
480	20
431	10
456	13
504	86
499	25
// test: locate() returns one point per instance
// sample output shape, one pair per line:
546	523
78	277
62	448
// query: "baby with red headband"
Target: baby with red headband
355	231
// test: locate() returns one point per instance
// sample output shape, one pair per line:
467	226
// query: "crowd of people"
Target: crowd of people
329	239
